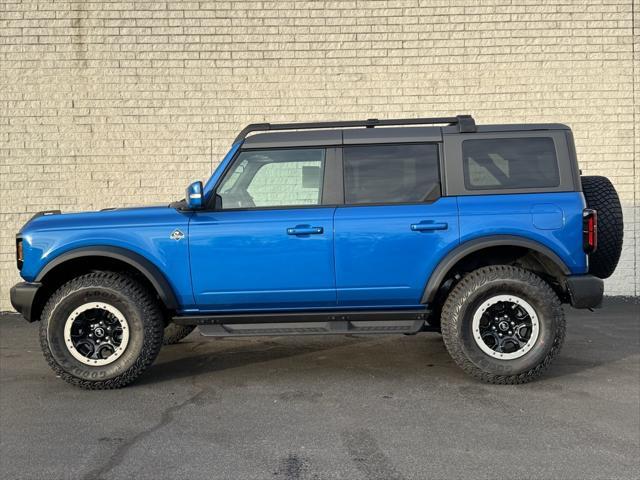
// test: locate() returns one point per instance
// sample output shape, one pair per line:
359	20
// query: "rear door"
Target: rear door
268	244
394	226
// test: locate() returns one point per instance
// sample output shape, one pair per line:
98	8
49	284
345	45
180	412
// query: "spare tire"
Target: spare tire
602	197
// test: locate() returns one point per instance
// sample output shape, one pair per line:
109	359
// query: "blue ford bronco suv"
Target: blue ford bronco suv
480	233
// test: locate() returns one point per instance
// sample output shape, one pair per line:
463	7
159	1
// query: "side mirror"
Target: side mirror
193	196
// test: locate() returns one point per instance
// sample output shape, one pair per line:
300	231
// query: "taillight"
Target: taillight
19	253
589	230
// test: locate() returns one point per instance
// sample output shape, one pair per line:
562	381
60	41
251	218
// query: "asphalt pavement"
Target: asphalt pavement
347	407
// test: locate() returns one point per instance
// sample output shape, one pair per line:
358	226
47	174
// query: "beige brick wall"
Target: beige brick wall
116	103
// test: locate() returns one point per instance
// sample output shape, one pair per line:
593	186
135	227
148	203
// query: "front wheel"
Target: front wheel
101	330
503	324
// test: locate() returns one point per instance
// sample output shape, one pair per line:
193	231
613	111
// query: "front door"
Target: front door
394	226
268	244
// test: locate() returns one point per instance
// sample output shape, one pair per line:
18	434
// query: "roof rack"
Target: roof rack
466	124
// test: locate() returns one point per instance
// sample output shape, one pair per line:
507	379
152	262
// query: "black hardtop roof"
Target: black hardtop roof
375	131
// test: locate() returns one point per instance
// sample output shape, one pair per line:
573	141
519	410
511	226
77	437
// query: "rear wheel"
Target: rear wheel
503	324
101	330
174	333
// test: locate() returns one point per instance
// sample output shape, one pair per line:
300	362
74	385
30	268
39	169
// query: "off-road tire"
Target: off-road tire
468	295
142	313
173	333
602	197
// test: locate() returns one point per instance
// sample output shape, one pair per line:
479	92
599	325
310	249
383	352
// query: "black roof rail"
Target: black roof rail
466	124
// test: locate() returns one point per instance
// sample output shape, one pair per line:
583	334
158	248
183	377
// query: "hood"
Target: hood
107	218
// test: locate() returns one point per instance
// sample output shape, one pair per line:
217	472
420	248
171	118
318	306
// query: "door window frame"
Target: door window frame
440	177
329	196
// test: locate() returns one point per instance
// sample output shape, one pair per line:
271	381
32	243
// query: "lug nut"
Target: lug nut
91	335
493	327
510	332
513	323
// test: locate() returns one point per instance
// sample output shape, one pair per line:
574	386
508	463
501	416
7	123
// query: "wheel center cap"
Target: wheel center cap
99	332
503	325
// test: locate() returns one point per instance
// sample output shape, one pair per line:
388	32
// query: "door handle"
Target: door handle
428	227
304	230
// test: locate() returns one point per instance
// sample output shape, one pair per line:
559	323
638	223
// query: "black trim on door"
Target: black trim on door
333	183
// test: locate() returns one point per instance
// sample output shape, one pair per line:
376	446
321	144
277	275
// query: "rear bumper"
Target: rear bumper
585	291
22	296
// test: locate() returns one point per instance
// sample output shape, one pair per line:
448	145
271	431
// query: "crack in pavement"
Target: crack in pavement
120	453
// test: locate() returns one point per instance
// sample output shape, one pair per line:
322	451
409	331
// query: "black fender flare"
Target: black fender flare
150	271
462	250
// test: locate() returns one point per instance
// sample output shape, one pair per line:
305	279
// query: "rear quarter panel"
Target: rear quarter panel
551	219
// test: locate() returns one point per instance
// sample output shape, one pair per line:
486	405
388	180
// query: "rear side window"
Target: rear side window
391	174
504	163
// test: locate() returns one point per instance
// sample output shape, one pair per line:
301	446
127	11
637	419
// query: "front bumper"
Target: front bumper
22	297
585	291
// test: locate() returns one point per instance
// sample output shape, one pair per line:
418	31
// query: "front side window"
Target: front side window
391	174
503	163
274	178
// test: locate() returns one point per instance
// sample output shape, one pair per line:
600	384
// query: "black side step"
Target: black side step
311	328
309	323
331	316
